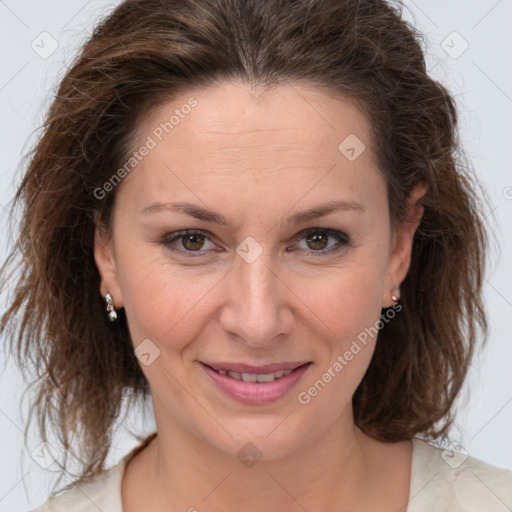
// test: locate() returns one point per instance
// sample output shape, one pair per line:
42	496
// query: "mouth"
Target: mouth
249	373
256	384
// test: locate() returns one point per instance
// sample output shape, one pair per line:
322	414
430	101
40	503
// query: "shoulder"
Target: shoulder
102	492
449	480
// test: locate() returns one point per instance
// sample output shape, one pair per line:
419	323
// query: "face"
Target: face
252	242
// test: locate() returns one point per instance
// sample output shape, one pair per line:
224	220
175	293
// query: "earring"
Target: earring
396	295
111	310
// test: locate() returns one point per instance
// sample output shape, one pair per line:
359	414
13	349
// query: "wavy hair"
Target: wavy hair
145	53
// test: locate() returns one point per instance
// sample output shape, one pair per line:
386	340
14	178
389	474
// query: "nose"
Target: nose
257	309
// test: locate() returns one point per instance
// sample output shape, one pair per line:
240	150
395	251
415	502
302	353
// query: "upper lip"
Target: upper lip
260	370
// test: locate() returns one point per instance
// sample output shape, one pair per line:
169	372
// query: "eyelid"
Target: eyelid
329	231
169	238
343	240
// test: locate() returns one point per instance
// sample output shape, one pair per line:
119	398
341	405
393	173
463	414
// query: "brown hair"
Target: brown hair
143	54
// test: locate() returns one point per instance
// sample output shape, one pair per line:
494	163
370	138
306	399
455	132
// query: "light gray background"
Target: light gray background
480	78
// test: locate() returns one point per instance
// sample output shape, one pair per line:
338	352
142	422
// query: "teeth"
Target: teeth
249	377
266	377
255	377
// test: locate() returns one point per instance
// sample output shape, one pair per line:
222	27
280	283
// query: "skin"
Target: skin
257	157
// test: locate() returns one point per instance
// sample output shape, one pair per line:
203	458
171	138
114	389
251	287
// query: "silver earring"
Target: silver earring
396	295
111	310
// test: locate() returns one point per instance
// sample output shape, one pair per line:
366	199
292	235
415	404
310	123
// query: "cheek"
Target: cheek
161	300
349	310
350	301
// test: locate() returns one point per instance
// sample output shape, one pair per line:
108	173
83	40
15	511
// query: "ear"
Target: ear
104	256
401	250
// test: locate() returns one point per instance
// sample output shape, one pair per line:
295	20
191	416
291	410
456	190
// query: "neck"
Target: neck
337	471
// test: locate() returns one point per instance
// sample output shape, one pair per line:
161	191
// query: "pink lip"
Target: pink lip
257	393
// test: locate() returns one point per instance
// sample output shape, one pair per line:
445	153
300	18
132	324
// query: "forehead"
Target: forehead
274	145
236	115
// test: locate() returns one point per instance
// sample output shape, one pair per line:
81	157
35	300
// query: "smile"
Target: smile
255	377
255	385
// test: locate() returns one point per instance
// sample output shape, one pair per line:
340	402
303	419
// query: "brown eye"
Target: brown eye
188	243
193	241
318	241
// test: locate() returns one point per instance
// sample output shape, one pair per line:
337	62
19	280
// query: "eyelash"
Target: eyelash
342	238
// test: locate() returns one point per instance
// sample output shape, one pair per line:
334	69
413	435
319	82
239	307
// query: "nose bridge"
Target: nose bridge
260	283
255	309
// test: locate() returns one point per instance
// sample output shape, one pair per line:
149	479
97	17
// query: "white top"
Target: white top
441	480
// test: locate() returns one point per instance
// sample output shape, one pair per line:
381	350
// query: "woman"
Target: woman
252	211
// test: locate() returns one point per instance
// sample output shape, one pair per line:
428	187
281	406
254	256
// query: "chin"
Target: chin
263	439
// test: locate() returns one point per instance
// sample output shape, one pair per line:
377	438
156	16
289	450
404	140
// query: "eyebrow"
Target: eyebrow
207	215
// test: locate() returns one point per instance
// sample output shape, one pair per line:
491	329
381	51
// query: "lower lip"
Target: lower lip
256	393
